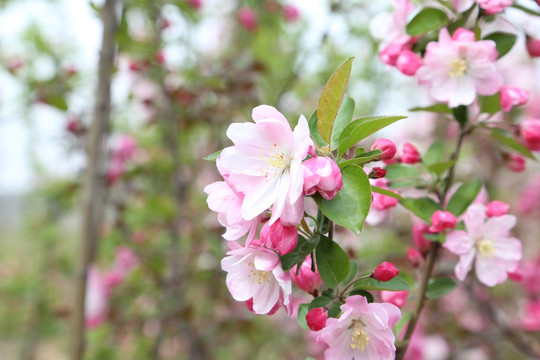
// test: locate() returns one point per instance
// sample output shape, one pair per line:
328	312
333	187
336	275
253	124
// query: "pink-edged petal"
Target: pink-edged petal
474	220
265	298
499	226
263	112
394	314
464	265
487	79
292	214
489	271
302	139
256	202
508	249
458	242
282	192
266	261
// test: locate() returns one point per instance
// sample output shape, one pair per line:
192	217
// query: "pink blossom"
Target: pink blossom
96	300
414	256
420	241
265	164
291	13
255	273
442	220
533	47
529	199
387	147
392	28
489	242
515	162
398	298
249	305
462	5
316	318
513	96
408	62
278	237
125	260
115	171
390	54
410	154
530	319
124	148
494	6
497	208
322	175
363	331
380	204
530	133
306	279
530	274
457	68
247	17
385	272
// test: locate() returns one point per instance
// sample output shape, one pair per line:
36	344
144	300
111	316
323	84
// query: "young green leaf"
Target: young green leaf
490	104
319	301
361	159
505	139
303	309
423	207
439	287
331	98
439	168
396	284
427	20
351	205
503	41
464	196
300	252
213	156
361	128
332	262
386	192
437	108
314	130
434	154
344	117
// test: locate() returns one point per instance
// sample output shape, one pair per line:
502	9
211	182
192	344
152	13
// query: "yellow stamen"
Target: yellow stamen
457	68
360	338
485	248
258	276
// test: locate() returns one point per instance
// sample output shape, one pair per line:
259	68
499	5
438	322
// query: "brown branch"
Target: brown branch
94	182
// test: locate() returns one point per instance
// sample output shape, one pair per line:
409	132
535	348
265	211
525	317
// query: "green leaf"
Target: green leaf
213	156
423	207
335	309
363	293
461	115
349	208
437	108
427	20
386	192
402	175
505	139
396	284
361	128
332	262
314	131
300	252
319	301
439	287
361	159
464	196
439	168
490	104
353	270
331	98
402	322
344	117
503	41
303	309
434	154
57	100
525	9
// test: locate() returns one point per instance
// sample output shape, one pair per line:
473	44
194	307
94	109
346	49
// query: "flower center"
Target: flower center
360	338
257	276
485	248
277	162
457	68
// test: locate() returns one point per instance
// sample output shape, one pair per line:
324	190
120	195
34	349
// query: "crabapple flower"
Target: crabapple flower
291	13
385	272
398	298
442	220
380	204
124	148
410	154
249	305
513	96
497	208
462	5
255	273
278	237
387	147
530	320
316	319
363	331
265	164
488	243
494	6
97	299
392	28
530	133
322	175
418	231
408	62
306	279
414	256
247	17
457	68
515	162
533	47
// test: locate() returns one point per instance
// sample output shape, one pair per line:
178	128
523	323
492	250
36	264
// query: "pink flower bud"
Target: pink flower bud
408	62
494	6
410	154
442	220
385	272
306	280
196	4
531	316
414	256
249	305
316	319
380	201
377	173
74	126
278	237
160	57
291	13
321	174
247	17
497	208
124	148
515	162
533	47
462	34
420	241
530	133
398	298
387	147
390	54
513	96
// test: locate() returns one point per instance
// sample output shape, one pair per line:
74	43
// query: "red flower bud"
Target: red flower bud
316	319
385	272
442	220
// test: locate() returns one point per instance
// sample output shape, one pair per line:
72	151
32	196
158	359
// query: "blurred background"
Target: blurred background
183	71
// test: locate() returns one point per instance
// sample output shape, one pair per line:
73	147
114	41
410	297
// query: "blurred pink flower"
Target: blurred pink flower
247	17
408	62
497	208
291	13
489	242
410	154
515	162
398	298
96	300
387	147
513	96
380	204
494	6
306	279
530	133
442	220
530	319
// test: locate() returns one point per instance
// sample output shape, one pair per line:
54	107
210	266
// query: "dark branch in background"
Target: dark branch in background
94	181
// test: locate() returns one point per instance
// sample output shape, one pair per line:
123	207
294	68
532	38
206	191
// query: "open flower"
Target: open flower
457	68
363	331
265	163
487	242
255	273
